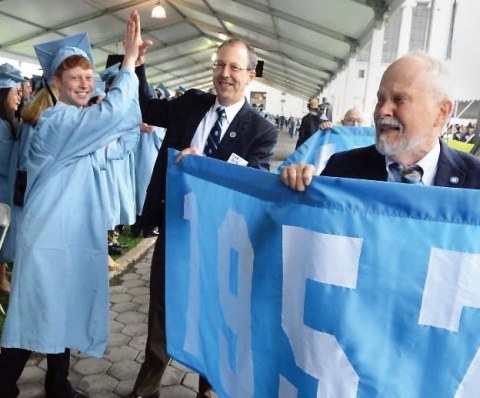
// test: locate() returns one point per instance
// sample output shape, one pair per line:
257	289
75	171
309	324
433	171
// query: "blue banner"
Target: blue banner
324	143
351	289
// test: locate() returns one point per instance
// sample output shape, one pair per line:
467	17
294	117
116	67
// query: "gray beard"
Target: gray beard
403	145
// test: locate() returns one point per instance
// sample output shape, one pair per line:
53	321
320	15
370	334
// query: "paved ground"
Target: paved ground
113	375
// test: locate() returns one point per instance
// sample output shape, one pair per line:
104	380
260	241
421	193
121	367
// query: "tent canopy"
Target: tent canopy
303	44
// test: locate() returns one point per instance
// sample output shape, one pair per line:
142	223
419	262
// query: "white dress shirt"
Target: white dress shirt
203	130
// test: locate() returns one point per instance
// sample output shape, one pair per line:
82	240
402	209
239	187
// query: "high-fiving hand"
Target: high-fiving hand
133	44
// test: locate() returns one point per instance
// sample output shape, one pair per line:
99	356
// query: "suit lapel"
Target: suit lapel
450	171
374	166
198	112
236	129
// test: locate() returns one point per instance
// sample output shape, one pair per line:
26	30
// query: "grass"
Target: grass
125	239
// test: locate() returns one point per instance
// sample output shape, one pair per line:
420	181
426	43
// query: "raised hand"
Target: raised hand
132	40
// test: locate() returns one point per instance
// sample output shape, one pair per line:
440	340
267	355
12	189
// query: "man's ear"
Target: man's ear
446	108
252	75
56	82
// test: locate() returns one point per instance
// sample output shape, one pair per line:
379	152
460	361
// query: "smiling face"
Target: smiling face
410	110
74	80
14	98
76	86
230	84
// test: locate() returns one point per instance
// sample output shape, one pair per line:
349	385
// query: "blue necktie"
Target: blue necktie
215	133
406	174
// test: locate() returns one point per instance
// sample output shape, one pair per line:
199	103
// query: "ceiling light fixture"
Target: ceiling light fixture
158	11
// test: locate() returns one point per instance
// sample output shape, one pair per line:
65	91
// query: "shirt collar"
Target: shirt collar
231	110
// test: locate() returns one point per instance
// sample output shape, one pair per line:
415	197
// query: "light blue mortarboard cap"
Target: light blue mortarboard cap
53	53
109	72
180	90
163	90
9	76
36	82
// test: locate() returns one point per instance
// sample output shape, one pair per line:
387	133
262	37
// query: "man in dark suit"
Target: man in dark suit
414	104
310	123
190	120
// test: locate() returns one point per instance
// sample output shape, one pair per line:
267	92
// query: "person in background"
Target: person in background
27	91
179	91
353	117
151	139
162	91
310	122
10	98
59	298
325	110
217	126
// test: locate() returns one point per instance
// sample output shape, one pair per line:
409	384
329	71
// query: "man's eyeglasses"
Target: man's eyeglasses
233	68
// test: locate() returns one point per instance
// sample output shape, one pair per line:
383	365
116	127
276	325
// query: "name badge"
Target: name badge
235	159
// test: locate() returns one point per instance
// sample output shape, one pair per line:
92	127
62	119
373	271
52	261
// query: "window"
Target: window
418	33
390	44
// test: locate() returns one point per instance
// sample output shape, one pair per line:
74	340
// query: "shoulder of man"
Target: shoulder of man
194	95
467	158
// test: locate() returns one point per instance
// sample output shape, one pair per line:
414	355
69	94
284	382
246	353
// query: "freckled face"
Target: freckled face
76	86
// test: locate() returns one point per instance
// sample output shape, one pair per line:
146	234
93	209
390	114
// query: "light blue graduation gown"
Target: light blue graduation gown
145	157
126	189
9	148
120	187
60	281
18	161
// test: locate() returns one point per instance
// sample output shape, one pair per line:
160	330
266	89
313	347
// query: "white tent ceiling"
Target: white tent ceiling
303	43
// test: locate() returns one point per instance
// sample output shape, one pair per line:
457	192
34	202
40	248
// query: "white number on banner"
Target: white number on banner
235	285
326	259
192	336
286	389
451	285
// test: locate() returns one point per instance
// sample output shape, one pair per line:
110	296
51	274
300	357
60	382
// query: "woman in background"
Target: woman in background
10	98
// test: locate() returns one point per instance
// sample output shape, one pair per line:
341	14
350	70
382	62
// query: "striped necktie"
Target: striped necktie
406	174
213	139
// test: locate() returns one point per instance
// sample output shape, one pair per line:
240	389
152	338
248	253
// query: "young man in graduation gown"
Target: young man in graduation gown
59	299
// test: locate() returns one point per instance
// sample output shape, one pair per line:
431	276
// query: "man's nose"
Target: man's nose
384	108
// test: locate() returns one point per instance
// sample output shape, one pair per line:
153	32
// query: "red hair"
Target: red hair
72	62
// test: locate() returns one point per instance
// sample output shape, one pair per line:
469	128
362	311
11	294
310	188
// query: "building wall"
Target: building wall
446	35
292	106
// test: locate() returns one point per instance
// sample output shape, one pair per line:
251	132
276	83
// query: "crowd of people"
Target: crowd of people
460	132
68	161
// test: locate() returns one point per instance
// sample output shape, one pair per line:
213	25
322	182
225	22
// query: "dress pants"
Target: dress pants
13	361
156	358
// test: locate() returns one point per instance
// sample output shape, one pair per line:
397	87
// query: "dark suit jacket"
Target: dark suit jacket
308	127
455	169
249	135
